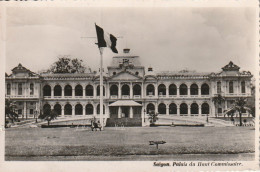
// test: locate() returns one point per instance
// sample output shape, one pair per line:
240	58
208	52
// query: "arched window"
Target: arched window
183	89
47	90
231	89
31	89
194	89
78	90
125	90
89	90
161	89
98	91
8	89
173	108
57	108
205	89
20	89
205	108
68	90
68	109
162	108
57	90
46	109
218	87
78	109
183	108
194	108
114	90
243	87
89	109
172	89
98	109
137	89
150	108
150	89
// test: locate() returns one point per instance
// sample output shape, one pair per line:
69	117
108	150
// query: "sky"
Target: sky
166	38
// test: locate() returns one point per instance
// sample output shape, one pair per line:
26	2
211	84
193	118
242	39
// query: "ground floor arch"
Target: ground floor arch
57	108
89	109
78	109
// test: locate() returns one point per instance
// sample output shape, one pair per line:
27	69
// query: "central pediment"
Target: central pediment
125	75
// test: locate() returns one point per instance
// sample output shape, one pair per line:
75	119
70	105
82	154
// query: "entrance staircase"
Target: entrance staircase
193	120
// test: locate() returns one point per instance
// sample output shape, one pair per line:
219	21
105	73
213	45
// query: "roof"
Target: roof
125	103
182	73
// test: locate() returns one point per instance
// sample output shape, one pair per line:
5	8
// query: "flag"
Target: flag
106	39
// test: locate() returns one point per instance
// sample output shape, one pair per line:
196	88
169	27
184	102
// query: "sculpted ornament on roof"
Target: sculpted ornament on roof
231	67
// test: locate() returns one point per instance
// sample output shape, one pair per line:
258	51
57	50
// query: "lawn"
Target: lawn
132	141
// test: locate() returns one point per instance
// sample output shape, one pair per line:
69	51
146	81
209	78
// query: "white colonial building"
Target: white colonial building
129	91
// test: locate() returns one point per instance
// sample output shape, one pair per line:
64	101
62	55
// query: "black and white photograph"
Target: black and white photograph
170	87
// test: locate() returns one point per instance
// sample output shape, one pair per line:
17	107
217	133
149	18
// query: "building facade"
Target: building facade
129	91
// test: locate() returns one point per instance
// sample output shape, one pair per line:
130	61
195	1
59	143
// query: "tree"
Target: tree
48	115
218	99
153	117
10	111
239	106
67	65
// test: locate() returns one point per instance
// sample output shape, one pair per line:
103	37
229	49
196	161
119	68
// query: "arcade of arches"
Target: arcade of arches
162	108
136	89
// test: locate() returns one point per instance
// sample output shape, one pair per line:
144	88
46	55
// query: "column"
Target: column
167	110
156	90
199	91
178	91
84	109
94	110
156	107
131	112
143	115
73	110
188	91
62	110
225	105
52	107
142	91
24	109
167	91
131	90
25	89
119	91
52	92
178	110
84	91
199	109
95	91
119	112
107	111
108	90
238	88
189	110
73	92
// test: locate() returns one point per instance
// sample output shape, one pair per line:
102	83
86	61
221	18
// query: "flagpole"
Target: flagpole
101	88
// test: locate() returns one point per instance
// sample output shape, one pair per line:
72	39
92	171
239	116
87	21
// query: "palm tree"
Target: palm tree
48	115
218	99
239	106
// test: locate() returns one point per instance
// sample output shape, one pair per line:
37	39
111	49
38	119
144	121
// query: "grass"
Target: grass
131	141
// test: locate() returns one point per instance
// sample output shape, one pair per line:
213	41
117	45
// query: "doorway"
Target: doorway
125	111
